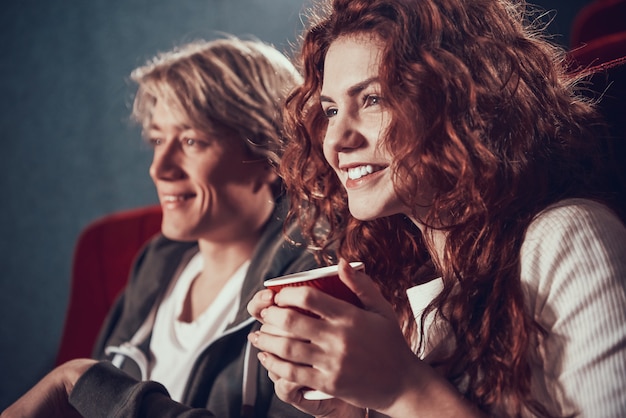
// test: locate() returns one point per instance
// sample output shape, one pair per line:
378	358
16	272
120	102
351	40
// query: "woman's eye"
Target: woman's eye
371	100
330	112
189	142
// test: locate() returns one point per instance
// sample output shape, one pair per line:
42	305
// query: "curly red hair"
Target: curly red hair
483	112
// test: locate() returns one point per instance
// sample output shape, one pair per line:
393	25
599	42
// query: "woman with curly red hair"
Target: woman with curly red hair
442	143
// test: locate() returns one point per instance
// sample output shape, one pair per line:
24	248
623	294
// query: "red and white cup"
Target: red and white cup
327	280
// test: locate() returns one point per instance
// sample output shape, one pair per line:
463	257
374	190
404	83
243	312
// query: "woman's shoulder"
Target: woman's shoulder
576	227
573	271
576	218
574	245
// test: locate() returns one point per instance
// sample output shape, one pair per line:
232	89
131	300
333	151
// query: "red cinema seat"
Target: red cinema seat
598	48
103	258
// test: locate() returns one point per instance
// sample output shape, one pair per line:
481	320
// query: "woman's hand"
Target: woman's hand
288	391
292	393
261	300
357	355
49	397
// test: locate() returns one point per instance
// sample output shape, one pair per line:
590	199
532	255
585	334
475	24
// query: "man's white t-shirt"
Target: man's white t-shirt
175	345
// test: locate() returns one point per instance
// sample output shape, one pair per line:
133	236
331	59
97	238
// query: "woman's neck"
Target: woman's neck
435	240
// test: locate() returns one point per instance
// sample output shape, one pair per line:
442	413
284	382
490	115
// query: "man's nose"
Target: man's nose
166	161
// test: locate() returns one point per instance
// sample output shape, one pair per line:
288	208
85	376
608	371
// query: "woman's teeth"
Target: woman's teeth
358	172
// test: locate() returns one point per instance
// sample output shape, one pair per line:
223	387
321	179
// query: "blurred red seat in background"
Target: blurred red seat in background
597	20
103	257
598	33
598	47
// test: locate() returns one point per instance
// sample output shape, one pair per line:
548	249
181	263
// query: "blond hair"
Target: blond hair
232	83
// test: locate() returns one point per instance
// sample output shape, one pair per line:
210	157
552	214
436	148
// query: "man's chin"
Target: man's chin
175	233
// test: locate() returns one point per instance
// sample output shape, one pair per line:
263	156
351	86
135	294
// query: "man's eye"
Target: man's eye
154	141
197	144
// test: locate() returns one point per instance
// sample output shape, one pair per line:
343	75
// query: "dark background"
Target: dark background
68	153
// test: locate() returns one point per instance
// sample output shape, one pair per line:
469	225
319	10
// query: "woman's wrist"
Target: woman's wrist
421	388
348	411
426	391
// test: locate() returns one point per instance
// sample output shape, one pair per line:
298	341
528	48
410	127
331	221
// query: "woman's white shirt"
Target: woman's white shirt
573	273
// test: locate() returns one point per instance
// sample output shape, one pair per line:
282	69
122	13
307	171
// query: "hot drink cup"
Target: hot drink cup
327	280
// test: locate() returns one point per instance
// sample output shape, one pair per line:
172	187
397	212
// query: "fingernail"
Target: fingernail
267	295
253	337
262	357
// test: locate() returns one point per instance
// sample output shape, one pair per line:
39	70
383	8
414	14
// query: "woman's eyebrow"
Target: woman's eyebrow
355	89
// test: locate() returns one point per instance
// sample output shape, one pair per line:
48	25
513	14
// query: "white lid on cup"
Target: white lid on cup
313	274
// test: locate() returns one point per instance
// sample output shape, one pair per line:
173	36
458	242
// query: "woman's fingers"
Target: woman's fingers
326	306
292	360
315	302
337	349
366	290
293	394
291	351
260	301
289	322
295	373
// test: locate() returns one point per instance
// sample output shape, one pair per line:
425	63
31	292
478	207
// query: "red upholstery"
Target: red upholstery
602	50
103	257
598	33
596	20
598	41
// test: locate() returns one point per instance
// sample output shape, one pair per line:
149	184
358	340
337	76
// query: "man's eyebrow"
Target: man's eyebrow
180	127
355	89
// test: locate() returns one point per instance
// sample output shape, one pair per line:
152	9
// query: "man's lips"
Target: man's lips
175	198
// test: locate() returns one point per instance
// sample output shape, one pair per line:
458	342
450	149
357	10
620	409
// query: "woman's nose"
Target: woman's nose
343	133
166	162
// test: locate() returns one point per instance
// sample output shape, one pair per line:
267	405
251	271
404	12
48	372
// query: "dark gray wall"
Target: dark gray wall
68	154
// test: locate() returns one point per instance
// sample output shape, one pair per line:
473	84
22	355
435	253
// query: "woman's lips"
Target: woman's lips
360	174
355	173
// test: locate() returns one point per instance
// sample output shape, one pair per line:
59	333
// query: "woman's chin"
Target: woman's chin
363	214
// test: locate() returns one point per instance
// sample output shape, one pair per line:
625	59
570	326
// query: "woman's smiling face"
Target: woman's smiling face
357	120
